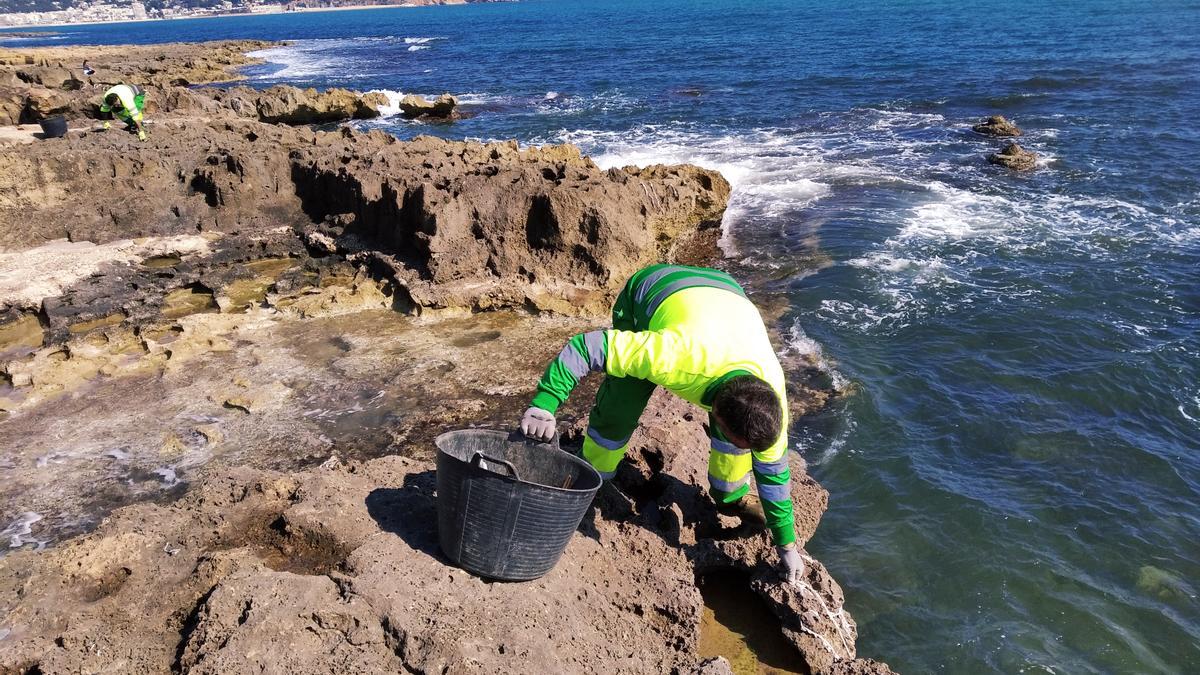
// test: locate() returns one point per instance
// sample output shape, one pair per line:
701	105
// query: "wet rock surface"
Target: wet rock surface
997	125
1015	157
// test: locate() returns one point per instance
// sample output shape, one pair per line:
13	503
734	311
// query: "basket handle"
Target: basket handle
512	470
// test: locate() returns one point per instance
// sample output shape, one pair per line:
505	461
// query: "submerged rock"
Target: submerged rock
997	125
443	107
1162	584
1014	157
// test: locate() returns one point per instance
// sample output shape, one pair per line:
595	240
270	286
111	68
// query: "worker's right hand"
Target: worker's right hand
106	125
538	424
141	135
791	564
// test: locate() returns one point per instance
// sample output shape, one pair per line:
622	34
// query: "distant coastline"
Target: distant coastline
106	14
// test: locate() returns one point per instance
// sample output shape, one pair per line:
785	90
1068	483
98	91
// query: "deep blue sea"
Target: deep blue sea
1015	483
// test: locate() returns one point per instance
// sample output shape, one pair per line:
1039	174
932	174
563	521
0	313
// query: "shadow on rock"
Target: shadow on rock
409	512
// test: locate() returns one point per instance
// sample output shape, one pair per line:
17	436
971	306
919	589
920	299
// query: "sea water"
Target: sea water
1015	483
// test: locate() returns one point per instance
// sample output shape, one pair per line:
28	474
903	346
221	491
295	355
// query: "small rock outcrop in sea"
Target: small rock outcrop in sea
997	125
289	105
1014	157
442	107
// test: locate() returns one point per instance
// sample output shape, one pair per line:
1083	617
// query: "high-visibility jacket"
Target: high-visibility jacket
693	329
132	99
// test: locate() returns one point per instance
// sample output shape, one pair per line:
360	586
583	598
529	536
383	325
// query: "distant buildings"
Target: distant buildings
89	11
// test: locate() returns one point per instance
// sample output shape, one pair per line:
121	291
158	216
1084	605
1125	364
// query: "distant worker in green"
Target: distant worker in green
126	103
693	331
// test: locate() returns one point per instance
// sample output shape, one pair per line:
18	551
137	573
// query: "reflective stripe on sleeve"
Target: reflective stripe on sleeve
594	341
574	363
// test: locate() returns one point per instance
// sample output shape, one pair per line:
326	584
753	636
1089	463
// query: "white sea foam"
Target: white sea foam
1194	404
393	97
332	58
951	215
169	477
18	530
799	343
772	171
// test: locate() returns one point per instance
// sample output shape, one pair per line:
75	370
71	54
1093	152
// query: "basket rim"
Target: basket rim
437	441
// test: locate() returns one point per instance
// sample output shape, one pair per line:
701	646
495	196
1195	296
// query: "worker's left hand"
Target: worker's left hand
791	563
538	424
141	134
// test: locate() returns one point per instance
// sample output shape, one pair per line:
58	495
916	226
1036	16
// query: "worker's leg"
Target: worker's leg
619	402
619	405
728	468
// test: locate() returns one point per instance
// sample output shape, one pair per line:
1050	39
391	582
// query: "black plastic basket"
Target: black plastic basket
54	127
507	507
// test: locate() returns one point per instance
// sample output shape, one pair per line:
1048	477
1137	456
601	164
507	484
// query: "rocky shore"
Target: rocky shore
224	353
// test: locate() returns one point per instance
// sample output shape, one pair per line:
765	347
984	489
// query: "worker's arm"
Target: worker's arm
648	355
773	478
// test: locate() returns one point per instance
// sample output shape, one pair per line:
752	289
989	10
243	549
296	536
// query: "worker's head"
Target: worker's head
112	100
748	412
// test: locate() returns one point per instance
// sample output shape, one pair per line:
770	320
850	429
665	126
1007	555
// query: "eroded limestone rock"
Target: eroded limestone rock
442	107
1015	157
997	125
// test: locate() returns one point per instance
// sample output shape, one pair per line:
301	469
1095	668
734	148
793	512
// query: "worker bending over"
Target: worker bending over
126	103
693	331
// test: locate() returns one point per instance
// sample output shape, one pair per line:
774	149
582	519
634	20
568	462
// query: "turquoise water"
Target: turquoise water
1015	487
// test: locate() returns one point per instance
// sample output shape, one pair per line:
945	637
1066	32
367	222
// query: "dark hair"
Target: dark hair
112	99
749	409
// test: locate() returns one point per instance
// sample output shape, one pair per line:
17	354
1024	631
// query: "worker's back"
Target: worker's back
724	332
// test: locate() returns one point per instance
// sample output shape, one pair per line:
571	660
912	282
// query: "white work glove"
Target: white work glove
791	564
106	125
538	424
